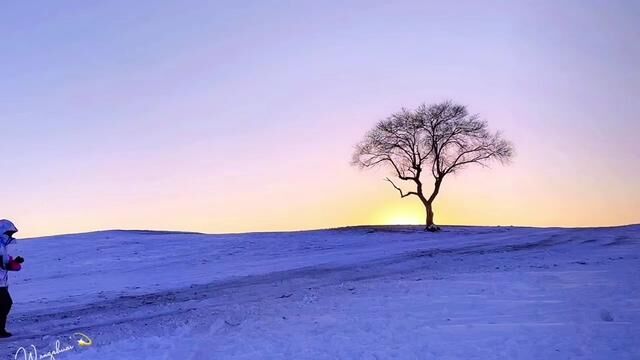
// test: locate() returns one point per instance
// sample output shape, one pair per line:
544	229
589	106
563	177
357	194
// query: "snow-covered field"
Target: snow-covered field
356	293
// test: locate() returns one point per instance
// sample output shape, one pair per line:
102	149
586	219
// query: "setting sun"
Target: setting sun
404	219
399	212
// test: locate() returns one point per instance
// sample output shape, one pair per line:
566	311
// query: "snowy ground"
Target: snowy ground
359	293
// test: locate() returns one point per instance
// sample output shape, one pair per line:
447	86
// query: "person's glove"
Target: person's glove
14	264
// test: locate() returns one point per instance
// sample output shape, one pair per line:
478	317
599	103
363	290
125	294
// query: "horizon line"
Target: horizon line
346	227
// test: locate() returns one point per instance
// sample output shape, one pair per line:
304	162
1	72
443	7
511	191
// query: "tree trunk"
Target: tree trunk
428	204
430	226
429	209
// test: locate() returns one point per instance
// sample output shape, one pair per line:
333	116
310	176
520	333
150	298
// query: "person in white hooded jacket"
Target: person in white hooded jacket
7	263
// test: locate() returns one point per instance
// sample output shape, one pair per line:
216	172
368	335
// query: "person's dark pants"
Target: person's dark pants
5	306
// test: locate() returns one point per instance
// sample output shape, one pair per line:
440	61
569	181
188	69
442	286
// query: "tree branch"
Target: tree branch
402	194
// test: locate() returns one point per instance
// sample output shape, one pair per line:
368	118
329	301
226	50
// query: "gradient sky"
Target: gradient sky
237	116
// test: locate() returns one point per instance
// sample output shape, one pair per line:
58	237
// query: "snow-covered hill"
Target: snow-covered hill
368	292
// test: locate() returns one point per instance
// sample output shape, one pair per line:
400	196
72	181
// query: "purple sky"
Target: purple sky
242	116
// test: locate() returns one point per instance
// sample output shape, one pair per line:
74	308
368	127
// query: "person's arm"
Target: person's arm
7	262
4	262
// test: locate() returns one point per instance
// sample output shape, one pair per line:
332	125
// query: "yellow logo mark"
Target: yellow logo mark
84	340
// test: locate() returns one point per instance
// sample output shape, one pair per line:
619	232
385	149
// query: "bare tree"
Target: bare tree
439	140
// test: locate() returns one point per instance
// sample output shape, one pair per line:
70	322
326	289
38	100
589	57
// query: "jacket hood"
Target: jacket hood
6	225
